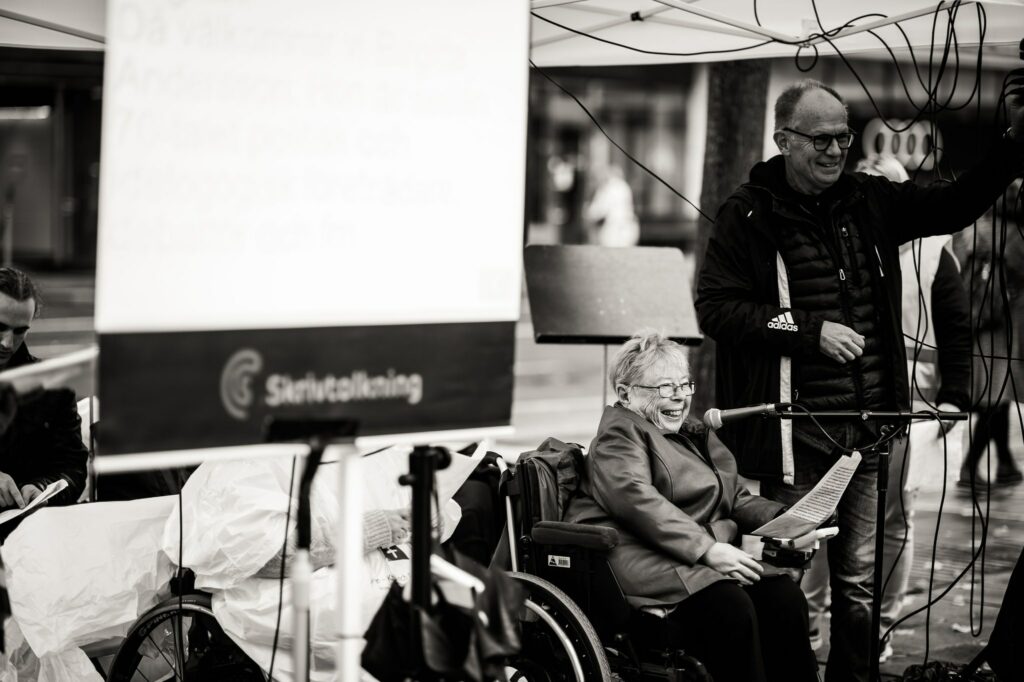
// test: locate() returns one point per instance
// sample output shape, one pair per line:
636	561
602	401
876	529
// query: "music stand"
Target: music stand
603	295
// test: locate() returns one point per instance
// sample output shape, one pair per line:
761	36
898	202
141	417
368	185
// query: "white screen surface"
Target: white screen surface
276	165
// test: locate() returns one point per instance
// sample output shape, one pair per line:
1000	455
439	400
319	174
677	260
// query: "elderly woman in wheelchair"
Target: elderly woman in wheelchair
670	489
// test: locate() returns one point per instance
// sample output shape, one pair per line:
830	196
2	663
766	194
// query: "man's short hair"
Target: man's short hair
786	103
18	285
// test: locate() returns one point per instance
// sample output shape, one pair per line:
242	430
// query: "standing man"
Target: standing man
800	289
40	433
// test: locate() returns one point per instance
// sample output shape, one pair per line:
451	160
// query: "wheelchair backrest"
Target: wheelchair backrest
546	479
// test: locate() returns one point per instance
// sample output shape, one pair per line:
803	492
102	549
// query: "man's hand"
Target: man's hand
839	342
30	492
733	562
10	496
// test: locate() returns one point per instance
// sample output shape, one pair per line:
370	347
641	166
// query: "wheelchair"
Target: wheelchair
178	639
565	569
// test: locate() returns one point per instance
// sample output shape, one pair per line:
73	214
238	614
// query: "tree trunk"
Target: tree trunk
737	93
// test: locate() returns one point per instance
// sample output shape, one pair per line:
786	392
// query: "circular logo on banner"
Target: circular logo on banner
236	382
917	147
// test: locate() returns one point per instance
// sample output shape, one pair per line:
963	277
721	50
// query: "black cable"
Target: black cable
932	105
616	144
280	578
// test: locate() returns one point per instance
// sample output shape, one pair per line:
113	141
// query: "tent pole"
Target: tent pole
348	561
754	29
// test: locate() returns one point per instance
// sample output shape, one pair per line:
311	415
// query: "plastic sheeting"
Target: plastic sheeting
235	512
20	664
247	607
82	574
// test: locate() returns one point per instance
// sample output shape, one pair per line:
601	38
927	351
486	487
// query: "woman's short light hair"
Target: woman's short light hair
885	165
640	353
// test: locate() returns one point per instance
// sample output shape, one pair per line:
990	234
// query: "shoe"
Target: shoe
1009	478
964	483
816	639
886	653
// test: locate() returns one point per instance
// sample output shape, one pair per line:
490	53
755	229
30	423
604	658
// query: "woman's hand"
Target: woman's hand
733	562
398	522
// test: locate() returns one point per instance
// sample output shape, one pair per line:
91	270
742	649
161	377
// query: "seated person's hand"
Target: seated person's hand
806	541
398	522
733	562
10	495
30	492
795	552
406	514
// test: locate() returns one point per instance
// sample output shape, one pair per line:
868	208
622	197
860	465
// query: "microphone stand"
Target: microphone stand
904	418
424	462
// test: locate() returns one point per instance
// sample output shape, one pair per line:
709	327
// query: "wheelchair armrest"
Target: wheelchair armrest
601	538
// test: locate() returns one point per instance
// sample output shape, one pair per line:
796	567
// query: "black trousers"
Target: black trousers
749	634
993	425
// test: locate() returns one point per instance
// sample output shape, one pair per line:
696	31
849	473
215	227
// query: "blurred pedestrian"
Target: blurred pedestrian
610	218
993	257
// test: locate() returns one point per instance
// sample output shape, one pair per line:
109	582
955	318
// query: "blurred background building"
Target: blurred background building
658	113
50	104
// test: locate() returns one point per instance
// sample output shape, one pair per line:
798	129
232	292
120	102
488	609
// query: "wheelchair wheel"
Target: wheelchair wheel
558	641
177	641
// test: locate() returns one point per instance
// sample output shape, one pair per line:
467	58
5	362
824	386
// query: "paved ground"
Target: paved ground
559	392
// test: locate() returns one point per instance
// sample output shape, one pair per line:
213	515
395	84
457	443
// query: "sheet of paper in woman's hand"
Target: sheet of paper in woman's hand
815	507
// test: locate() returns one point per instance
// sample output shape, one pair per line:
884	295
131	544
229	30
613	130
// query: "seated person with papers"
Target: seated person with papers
41	445
670	488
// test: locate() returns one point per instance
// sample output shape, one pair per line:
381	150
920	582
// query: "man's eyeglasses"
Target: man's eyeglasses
669	390
823	141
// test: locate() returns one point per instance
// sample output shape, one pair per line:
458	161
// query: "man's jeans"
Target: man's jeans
851	563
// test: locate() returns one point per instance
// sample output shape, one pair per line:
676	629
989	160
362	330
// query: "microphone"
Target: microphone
714	418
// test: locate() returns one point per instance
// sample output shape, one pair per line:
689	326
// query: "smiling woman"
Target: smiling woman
670	488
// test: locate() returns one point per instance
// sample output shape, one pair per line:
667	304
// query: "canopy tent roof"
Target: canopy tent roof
53	24
607	32
572	32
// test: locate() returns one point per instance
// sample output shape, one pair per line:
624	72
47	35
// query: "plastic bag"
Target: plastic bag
18	663
82	574
234	512
247	611
233	522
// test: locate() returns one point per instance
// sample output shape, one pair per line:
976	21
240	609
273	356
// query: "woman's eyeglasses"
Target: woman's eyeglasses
669	390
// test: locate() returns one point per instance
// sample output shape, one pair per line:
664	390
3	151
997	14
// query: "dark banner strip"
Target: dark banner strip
181	390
